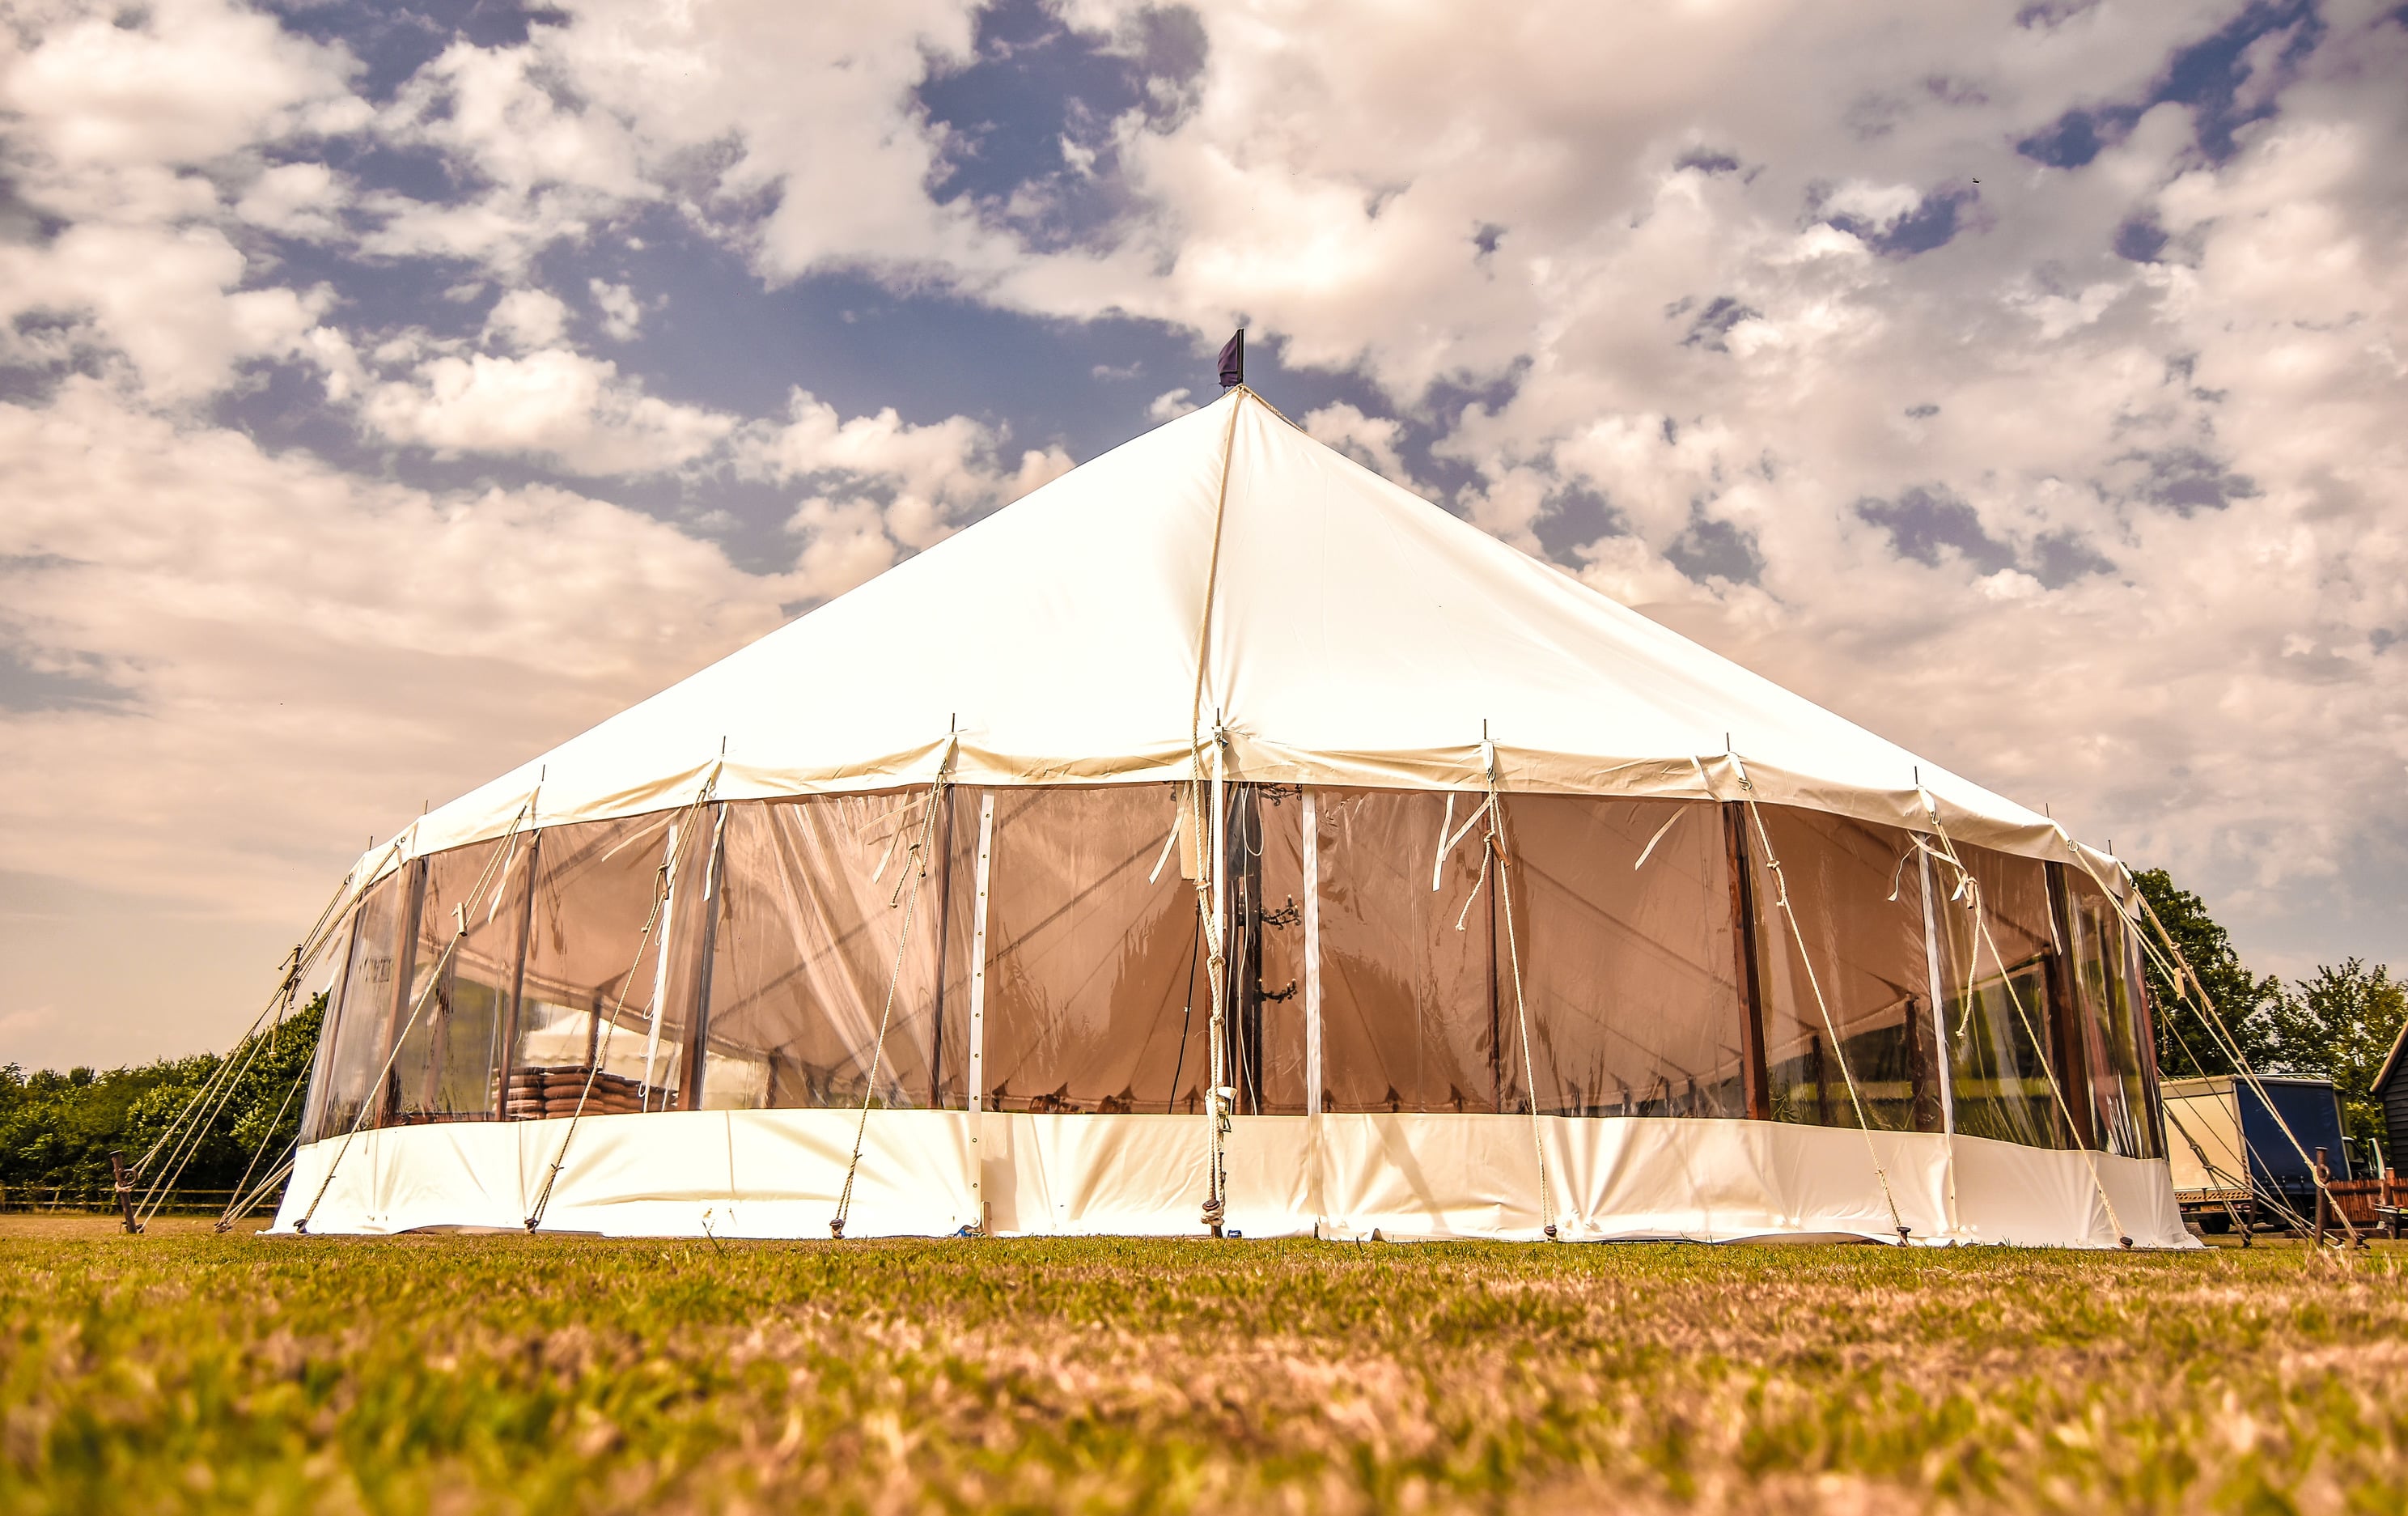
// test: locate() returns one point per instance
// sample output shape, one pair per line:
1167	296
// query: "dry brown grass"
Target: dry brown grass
190	1371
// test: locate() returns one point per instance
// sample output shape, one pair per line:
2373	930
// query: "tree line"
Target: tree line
57	1130
2340	1023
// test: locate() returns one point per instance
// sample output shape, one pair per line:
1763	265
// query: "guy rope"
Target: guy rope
906	896
244	1197
192	1122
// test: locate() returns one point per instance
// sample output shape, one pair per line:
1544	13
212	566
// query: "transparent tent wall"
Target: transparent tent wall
447	1058
350	1045
776	927
2116	1038
1854	898
814	898
600	1018
1098	989
1628	956
1409	1015
1995	946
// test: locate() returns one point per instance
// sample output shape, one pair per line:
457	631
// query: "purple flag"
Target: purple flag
1233	360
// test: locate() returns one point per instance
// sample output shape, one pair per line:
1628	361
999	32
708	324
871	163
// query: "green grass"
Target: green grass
188	1371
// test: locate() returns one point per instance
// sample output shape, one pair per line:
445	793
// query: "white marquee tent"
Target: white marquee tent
1223	834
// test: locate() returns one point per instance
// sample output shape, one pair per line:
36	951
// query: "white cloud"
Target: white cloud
551	403
494	110
621	317
1627	570
117	130
1371	441
173	83
550	168
924	479
712	108
22	1026
815	102
528	319
845	544
1881	206
302	657
166	299
298	199
499	231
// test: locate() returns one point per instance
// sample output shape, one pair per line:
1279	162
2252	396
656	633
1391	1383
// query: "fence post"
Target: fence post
2324	1202
124	1189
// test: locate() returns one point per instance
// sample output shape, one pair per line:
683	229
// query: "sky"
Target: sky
388	392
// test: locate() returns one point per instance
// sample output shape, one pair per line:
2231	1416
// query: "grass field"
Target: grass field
187	1371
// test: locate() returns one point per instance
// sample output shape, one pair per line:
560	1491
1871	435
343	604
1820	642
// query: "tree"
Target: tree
2342	1024
2251	1007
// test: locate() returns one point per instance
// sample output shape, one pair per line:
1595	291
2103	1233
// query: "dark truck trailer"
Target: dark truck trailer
2231	1157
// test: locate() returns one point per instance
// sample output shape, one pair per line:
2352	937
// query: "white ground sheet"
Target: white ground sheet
776	1173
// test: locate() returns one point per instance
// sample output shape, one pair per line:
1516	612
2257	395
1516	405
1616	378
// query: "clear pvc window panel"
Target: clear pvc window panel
1855	900
361	1012
1630	970
585	1030
1097	991
1411	1019
447	1065
1996	944
825	905
2114	1046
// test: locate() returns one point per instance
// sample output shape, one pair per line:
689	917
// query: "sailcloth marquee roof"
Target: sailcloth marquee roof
1357	635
